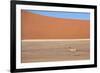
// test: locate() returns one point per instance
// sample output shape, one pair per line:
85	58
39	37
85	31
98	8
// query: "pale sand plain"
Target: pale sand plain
59	50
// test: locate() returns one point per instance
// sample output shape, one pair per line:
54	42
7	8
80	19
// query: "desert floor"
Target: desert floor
54	50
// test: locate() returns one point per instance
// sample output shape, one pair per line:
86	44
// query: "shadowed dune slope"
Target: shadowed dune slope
35	26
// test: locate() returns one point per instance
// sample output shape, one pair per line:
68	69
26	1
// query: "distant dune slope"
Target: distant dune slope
35	26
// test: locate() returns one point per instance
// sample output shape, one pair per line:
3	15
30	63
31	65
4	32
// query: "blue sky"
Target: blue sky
62	14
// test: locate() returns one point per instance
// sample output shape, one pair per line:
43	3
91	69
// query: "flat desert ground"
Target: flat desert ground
43	51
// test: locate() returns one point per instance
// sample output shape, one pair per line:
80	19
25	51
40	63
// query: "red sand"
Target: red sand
35	26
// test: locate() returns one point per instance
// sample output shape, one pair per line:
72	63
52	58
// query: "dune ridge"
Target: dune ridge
35	26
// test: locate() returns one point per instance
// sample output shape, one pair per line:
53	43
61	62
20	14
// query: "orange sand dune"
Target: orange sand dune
35	26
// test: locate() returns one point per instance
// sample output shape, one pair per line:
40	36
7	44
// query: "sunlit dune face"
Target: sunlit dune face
35	26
